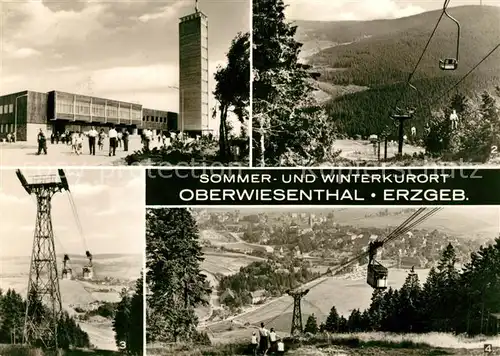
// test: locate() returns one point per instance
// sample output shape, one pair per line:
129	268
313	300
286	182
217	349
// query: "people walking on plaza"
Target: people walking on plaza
102	136
112	134
79	143
42	142
125	140
119	138
92	135
74	136
148	136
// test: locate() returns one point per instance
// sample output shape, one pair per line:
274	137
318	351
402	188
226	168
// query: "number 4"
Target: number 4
488	348
494	149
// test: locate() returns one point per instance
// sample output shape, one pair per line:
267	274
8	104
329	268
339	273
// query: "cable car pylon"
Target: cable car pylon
297	326
41	327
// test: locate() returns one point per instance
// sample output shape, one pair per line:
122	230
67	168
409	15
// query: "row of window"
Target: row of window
68	107
6	109
155	119
6	128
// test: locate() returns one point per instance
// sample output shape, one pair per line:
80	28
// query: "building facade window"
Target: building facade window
5	109
82	108
137	115
98	110
125	113
1	109
11	108
64	106
112	111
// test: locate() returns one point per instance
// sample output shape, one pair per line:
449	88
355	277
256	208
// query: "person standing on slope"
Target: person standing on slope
264	339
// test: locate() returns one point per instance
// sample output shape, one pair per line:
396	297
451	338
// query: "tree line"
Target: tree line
452	300
128	320
272	277
12	313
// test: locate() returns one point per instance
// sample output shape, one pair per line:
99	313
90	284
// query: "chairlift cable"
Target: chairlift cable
410	77
466	75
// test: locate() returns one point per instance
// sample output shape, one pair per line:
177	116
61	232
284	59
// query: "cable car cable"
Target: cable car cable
77	219
278	315
393	236
406	226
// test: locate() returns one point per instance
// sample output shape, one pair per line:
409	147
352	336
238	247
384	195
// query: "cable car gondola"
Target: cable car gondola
377	274
451	63
88	269
67	272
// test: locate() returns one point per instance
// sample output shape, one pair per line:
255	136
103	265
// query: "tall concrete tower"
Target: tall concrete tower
193	72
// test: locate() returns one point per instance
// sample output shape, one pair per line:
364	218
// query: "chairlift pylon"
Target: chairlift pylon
451	63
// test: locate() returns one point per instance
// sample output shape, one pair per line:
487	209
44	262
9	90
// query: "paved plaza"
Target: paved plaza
23	154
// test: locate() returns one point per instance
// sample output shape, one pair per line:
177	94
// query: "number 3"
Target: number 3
494	149
123	345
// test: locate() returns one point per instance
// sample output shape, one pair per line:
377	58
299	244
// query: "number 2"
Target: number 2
494	149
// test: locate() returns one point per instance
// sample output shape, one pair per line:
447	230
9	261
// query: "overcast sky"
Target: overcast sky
360	10
110	205
126	50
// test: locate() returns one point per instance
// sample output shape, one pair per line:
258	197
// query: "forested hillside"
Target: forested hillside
381	54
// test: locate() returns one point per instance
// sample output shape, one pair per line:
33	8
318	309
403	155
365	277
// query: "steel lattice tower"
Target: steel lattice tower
297	311
43	302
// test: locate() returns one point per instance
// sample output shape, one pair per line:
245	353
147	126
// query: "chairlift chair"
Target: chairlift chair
451	63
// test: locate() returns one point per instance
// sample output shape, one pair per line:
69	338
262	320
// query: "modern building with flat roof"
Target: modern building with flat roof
27	112
193	73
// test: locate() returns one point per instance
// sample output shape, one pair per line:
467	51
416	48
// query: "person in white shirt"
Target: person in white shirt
264	339
454	119
119	138
100	140
73	142
92	135
273	338
281	347
79	143
112	140
148	135
255	344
